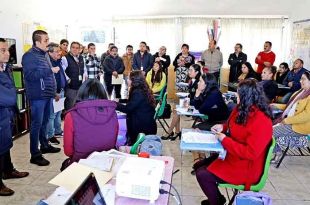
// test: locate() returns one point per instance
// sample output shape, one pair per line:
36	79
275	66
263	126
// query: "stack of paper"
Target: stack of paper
99	161
199	137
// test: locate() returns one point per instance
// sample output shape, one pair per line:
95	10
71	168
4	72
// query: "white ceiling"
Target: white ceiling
94	10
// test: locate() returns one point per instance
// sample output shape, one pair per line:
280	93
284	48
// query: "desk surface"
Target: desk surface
182	111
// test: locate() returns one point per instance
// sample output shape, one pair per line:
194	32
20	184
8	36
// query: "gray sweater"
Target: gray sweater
213	60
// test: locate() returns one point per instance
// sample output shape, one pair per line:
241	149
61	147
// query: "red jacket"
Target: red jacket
246	150
265	57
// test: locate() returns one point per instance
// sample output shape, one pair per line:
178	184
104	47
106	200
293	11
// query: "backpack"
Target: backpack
149	143
253	198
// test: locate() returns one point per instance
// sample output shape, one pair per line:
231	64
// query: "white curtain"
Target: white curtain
172	32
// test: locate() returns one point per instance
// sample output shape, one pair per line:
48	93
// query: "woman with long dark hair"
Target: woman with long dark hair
84	123
247	72
245	137
194	73
156	78
140	108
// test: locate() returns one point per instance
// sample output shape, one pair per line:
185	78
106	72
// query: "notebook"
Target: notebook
88	193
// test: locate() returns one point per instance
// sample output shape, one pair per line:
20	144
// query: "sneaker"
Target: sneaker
5	191
14	174
40	161
50	149
54	140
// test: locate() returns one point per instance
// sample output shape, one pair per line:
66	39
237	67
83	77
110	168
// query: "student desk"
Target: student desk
191	112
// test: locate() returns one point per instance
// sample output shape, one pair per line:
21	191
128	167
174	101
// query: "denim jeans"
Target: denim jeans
54	122
40	112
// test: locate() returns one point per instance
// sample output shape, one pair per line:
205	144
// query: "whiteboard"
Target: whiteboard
301	42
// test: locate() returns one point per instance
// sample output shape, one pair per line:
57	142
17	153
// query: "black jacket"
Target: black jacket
192	87
280	79
74	70
212	105
140	116
190	60
110	65
7	108
270	88
165	64
235	63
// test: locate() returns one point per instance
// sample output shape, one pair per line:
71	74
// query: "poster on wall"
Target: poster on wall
301	42
95	36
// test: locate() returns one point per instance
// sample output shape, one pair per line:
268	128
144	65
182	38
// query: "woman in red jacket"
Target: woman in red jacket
248	133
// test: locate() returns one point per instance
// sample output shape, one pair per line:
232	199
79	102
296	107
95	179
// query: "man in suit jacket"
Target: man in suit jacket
235	61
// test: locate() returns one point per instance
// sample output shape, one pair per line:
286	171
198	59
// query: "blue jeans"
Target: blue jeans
54	122
40	112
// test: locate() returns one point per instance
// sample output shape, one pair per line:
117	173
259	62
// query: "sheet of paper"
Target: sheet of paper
98	161
59	105
74	175
108	193
59	196
199	137
118	80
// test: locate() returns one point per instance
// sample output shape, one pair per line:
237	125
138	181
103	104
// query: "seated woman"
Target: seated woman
270	87
208	100
247	72
156	78
282	72
140	108
294	123
194	73
85	122
245	137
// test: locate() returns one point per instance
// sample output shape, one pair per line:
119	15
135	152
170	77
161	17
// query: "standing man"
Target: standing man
54	123
7	110
265	58
163	58
105	54
73	64
213	59
113	66
127	60
142	60
40	89
92	63
235	61
64	47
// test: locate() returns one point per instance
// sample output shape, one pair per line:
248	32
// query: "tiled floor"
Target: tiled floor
288	185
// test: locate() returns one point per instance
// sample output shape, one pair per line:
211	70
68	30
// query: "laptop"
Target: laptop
88	193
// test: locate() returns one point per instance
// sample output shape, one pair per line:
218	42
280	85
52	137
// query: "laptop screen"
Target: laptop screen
88	193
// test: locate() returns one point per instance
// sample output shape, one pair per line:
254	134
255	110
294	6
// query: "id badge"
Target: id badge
141	68
80	78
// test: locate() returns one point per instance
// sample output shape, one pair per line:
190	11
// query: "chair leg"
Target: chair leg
282	157
231	201
195	121
162	125
165	122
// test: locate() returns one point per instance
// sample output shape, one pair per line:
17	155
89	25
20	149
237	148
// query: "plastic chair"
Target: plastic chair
257	187
159	97
160	111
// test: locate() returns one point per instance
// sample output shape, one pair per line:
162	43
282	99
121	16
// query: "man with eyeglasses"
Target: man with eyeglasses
40	89
75	69
7	111
265	58
54	123
235	61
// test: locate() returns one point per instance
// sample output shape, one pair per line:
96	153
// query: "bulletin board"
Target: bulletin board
301	42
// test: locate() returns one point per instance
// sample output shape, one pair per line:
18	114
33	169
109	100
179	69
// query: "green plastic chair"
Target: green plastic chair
160	111
135	146
257	187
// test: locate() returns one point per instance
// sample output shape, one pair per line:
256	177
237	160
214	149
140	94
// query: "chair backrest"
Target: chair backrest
160	110
260	185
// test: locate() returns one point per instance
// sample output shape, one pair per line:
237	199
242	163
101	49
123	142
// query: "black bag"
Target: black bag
167	112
